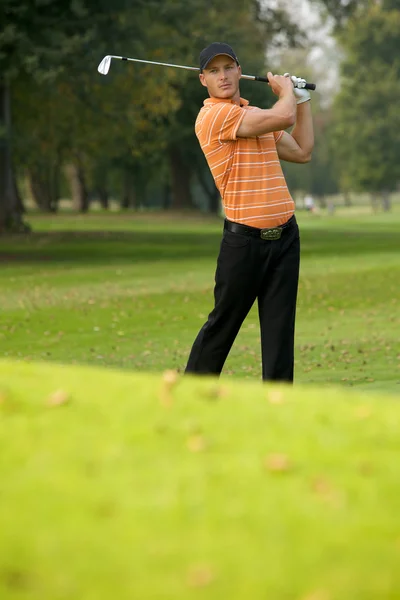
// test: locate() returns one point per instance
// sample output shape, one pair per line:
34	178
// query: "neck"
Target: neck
235	98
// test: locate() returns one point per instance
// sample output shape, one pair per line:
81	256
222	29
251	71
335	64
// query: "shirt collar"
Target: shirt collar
210	101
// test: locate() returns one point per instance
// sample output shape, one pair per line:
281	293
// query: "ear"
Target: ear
240	70
202	79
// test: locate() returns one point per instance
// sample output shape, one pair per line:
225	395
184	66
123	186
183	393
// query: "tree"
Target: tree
341	10
317	177
366	117
135	124
44	40
31	33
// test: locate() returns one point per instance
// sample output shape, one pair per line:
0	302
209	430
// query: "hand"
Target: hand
280	84
301	94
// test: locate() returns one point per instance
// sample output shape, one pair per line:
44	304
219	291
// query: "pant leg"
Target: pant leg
236	282
277	300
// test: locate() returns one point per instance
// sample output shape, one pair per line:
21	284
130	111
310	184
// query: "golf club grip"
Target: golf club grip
308	86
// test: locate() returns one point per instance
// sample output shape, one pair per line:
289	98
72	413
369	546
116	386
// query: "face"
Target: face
221	78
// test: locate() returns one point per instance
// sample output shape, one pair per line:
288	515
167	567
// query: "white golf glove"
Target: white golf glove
301	94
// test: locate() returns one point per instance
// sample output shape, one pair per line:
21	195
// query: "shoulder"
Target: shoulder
216	114
215	108
212	116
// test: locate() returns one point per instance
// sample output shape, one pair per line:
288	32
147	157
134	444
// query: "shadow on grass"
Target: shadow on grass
94	247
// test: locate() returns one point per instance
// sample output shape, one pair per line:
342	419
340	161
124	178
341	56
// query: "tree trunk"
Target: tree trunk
347	199
54	185
10	202
128	199
101	185
140	195
36	189
215	203
386	201
79	192
166	196
180	180
104	198
44	189
19	202
374	201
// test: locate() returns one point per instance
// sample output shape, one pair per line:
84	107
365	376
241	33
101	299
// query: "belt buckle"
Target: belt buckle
271	234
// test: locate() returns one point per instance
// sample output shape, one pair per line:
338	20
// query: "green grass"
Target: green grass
137	488
132	291
119	483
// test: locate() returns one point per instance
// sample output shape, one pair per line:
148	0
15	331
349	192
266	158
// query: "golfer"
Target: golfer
260	249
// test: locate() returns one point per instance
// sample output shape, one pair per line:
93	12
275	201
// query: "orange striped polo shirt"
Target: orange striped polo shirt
246	171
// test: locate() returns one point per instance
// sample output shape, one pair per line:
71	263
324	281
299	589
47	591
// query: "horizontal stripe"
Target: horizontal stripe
253	179
280	187
221	163
252	165
252	206
257	213
224	174
275	215
212	153
240	153
255	152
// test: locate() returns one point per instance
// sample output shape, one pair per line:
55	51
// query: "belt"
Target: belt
271	233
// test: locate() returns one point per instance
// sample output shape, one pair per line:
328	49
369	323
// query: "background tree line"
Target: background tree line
67	131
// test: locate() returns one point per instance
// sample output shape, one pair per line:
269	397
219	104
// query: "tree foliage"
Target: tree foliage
365	137
341	10
37	38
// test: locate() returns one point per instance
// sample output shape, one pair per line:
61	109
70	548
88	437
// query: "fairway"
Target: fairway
132	291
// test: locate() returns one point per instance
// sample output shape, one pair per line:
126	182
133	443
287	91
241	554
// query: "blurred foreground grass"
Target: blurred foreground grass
134	486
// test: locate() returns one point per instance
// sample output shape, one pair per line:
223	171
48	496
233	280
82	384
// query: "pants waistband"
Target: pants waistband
269	233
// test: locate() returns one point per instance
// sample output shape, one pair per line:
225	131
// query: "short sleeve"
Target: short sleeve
278	135
222	122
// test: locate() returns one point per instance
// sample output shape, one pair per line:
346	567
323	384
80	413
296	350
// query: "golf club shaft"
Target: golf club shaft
308	86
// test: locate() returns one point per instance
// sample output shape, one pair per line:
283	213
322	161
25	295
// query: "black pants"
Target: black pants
248	268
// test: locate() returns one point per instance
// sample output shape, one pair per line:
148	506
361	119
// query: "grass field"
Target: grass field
119	478
138	487
132	291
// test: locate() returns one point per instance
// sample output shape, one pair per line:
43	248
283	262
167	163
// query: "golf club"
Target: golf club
105	64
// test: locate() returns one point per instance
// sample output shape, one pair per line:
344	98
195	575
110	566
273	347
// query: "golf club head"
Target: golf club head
104	66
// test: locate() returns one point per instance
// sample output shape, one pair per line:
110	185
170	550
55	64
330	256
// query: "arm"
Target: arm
281	116
297	146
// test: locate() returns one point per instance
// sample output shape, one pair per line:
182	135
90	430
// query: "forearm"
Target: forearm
265	120
287	106
303	131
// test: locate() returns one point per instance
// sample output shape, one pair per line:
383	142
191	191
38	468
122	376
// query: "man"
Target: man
260	250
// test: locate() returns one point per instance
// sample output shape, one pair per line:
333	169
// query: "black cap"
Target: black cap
215	49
